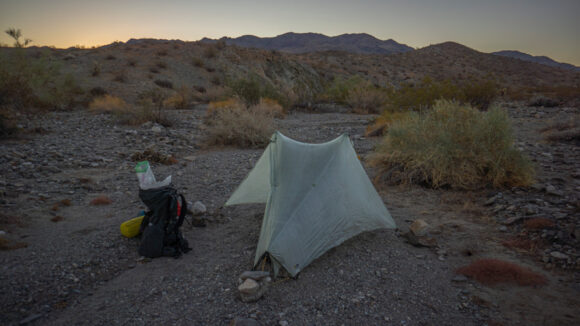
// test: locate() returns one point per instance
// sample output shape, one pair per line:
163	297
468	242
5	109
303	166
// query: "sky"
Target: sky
537	27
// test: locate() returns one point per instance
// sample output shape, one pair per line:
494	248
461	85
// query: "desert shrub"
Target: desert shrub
197	62
210	52
151	107
7	124
131	62
110	57
422	95
162	53
97	91
232	123
540	100
127	114
455	146
339	89
108	104
120	75
153	156
493	271
563	130
269	107
96	69
380	125
252	89
367	98
164	83
161	65
180	99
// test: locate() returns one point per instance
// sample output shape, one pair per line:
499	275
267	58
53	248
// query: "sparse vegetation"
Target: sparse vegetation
180	99
454	146
231	122
101	200
252	89
493	271
567	130
164	83
108	104
16	34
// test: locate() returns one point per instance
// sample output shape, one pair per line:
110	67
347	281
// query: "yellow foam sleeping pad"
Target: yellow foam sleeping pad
131	227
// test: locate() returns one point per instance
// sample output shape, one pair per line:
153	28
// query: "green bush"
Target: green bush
422	95
35	81
453	145
252	89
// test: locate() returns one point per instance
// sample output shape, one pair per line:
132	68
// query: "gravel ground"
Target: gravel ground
79	270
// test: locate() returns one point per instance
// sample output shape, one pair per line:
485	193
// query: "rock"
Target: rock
490	201
551	190
198	209
419	227
244	322
559	255
157	128
254	275
283	323
419	241
459	278
29	319
251	290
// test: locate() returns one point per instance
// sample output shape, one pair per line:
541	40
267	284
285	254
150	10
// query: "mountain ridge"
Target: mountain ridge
314	42
538	59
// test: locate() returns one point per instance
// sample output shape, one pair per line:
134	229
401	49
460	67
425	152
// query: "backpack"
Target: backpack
160	226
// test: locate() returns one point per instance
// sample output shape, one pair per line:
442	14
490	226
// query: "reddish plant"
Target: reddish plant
493	271
538	223
101	200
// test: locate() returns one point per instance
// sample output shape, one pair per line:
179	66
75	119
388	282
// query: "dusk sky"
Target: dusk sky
550	28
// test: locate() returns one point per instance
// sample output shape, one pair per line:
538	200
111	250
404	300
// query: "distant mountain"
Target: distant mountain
537	59
313	42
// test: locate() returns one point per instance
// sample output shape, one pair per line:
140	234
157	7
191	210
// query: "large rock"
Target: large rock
252	290
419	227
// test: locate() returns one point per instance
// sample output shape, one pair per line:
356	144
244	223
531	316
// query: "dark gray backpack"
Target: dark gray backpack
160	227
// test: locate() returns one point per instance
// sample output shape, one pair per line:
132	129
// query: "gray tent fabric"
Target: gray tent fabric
317	196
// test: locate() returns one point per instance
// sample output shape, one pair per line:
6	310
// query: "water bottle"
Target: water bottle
145	175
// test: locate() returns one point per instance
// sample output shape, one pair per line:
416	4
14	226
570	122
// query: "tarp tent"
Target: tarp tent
317	196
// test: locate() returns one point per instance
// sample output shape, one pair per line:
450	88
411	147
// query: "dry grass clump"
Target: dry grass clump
108	104
493	271
269	107
455	146
180	99
101	200
230	122
381	124
538	223
153	156
522	243
568	130
7	244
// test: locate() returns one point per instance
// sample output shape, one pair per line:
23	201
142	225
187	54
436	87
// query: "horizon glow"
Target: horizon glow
535	27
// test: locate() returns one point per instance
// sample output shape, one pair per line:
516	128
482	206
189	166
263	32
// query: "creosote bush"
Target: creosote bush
231	122
453	145
108	104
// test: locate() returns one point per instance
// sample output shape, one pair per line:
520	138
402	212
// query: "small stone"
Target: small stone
503	228
559	255
244	322
419	227
490	201
249	286
198	209
283	323
157	129
459	278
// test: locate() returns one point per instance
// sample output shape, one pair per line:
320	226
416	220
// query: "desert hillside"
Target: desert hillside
474	155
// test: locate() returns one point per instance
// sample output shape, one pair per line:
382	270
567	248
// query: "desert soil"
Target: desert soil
75	268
